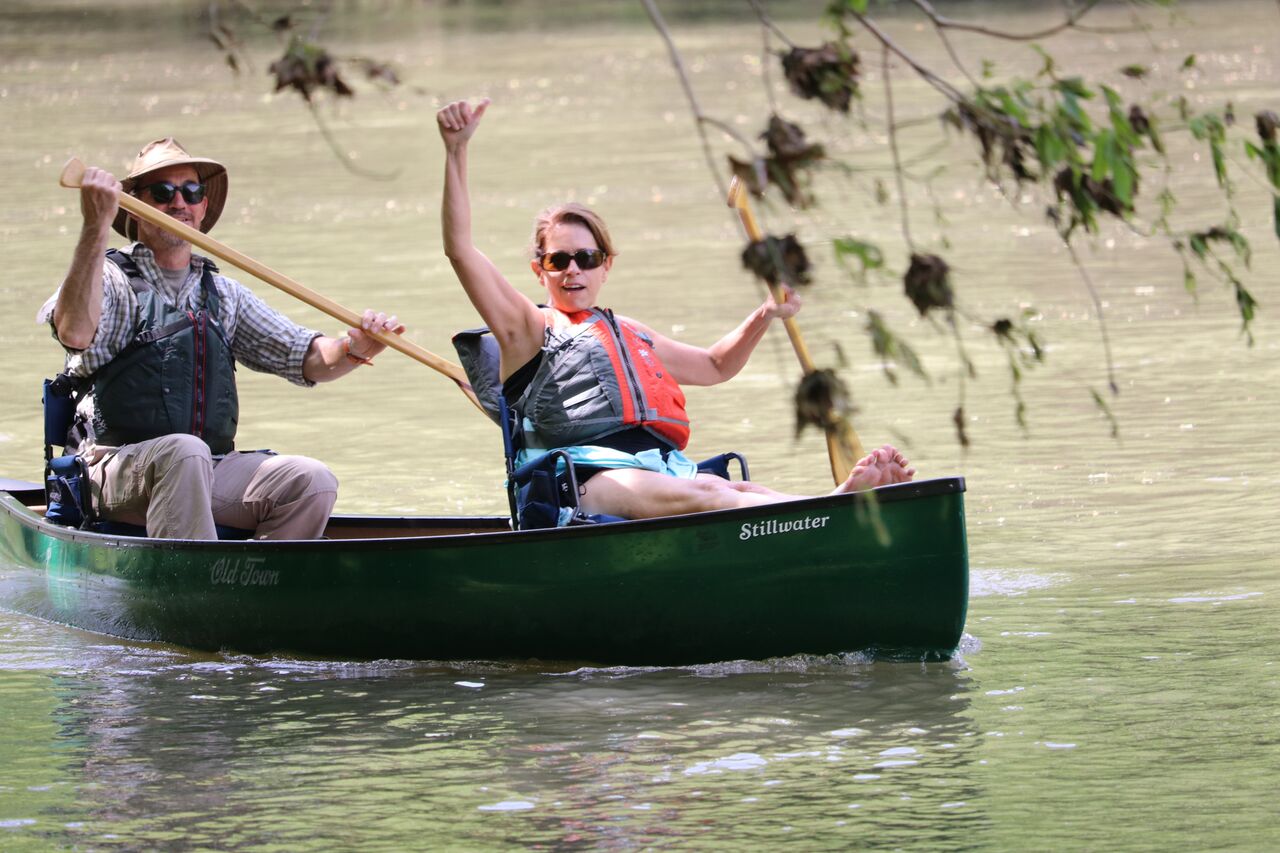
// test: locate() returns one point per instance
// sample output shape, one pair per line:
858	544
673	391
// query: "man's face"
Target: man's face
177	206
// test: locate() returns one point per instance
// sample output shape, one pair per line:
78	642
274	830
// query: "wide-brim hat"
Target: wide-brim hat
169	152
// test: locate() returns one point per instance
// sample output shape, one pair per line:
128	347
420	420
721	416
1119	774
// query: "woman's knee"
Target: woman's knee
705	493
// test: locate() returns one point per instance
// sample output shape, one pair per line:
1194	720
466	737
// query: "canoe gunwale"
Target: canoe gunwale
16	502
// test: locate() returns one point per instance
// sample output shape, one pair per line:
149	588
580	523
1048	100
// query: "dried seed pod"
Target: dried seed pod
961	422
1267	122
828	73
1101	193
306	67
787	143
822	401
777	259
789	154
1138	120
928	284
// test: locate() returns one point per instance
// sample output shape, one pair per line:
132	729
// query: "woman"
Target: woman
606	387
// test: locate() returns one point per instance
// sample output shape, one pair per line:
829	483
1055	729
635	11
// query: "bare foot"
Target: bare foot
881	467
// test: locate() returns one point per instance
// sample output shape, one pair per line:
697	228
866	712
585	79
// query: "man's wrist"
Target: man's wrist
351	356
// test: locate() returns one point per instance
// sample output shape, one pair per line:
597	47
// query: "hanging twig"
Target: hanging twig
955	57
345	157
769	24
701	119
1102	320
948	23
893	147
765	56
947	90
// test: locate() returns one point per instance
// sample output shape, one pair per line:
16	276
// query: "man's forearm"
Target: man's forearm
78	311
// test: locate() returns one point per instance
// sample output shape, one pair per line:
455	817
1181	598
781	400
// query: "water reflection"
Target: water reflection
239	752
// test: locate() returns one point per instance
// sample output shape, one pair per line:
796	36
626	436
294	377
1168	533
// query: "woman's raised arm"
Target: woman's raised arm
513	318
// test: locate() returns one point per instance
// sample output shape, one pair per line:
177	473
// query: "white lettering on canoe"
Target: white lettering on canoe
773	527
246	571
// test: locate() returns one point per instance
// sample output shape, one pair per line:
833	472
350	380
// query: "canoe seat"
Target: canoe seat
544	492
68	498
541	493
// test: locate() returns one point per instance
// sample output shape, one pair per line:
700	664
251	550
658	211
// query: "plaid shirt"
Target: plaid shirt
261	339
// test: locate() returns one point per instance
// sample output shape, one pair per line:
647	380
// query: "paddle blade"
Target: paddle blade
738	201
72	174
736	191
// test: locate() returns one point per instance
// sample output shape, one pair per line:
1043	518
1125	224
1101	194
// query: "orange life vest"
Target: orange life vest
599	375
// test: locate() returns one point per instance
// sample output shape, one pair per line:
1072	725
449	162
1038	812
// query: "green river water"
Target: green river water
1118	683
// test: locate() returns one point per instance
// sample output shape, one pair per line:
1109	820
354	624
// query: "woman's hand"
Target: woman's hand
458	121
790	305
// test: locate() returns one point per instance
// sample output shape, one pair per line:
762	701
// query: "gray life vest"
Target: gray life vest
597	376
176	375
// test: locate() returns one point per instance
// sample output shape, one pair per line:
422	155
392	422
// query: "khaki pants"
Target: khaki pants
173	486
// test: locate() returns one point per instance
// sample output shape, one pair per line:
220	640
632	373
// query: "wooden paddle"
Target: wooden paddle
73	174
843	447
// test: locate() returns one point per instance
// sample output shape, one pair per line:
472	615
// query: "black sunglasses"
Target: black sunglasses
163	191
586	259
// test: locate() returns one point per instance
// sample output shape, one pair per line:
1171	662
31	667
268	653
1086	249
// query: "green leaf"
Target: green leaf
1051	148
1103	147
1046	70
1073	86
1248	307
1153	133
867	254
1189	62
1241	245
1124	181
1219	162
1106	411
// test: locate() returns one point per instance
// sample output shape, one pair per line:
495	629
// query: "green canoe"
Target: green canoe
818	576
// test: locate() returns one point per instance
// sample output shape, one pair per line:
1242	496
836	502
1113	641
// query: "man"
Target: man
152	333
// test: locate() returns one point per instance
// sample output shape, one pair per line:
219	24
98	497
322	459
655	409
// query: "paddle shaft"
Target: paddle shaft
843	450
738	200
73	174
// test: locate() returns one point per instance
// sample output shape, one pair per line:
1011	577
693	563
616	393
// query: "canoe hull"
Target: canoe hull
819	576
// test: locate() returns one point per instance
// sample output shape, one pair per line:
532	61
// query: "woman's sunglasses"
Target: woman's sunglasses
586	259
163	191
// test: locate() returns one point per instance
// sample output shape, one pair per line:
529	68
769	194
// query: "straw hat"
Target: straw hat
168	152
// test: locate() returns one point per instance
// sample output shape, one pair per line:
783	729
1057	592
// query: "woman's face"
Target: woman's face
574	289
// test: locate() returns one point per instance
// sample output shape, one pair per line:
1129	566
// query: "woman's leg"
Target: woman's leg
638	493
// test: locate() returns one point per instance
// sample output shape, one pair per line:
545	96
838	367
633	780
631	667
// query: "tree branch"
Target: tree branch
700	119
952	24
768	23
949	91
893	147
1102	320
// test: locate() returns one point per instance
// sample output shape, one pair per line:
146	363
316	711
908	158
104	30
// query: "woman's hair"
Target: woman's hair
574	214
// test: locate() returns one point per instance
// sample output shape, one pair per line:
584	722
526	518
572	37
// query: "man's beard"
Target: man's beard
163	239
